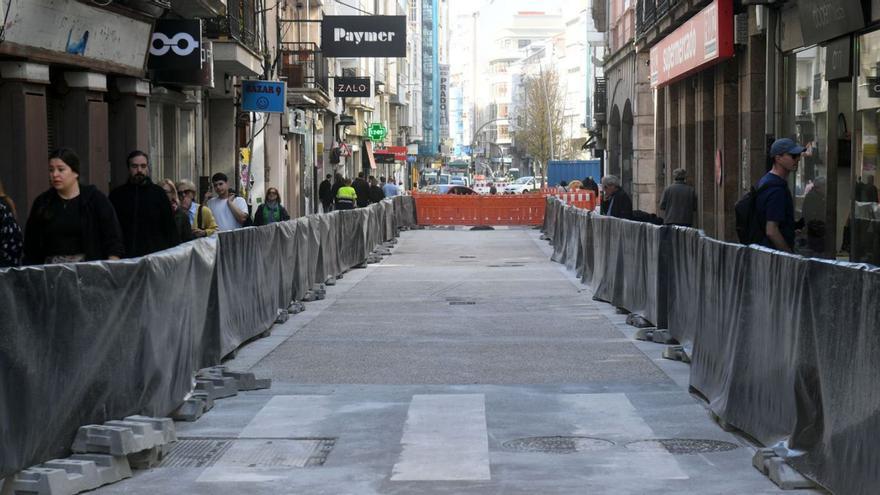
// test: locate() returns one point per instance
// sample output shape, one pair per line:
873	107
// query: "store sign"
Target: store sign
444	99
201	77
264	96
702	41
823	20
363	36
351	87
395	152
838	59
873	87
77	33
177	45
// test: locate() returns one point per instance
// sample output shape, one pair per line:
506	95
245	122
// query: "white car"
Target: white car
523	185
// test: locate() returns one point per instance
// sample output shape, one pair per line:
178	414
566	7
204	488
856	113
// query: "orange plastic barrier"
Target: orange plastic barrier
478	209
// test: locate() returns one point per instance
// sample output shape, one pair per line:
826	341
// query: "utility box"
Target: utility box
569	170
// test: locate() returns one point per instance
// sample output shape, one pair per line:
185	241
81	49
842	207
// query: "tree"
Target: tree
540	122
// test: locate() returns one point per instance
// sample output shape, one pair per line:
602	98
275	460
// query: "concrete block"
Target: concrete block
662	336
81	475
646	334
294	307
190	410
331	281
309	296
785	476
145	459
638	321
163	425
360	266
151	437
42	481
114	440
216	387
620	311
207	400
759	460
110	468
247	380
282	317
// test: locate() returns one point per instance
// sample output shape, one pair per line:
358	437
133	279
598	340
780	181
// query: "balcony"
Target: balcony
199	8
303	67
236	44
649	12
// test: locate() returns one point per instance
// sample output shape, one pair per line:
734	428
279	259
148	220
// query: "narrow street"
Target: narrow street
466	362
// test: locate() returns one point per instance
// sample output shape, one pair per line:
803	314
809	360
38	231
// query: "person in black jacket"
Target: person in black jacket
143	210
271	211
617	202
71	222
376	194
325	194
362	188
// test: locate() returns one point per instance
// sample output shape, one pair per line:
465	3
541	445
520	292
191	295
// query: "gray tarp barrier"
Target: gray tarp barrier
784	347
89	342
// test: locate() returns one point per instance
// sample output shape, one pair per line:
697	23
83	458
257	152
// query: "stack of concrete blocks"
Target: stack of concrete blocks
774	467
213	383
103	454
295	307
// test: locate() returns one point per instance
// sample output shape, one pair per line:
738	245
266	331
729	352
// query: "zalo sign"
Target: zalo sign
264	96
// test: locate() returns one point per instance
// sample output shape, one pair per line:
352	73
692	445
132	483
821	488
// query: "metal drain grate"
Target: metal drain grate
682	446
462	303
557	445
468	257
509	265
248	452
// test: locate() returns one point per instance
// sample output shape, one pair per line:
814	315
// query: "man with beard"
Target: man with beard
143	210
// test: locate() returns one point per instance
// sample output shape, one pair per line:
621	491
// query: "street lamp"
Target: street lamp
474	140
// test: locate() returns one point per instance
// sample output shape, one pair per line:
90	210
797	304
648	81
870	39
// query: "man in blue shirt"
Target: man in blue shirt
774	204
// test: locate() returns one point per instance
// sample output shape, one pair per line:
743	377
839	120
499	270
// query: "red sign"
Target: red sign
399	152
704	40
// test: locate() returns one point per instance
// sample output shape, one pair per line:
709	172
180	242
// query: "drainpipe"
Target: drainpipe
770	73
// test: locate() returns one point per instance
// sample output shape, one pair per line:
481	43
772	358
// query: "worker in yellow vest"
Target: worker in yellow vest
345	196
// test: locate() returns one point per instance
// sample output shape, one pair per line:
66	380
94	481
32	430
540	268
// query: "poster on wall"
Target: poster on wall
77	33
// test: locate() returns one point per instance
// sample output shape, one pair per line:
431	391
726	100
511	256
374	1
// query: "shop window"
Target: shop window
866	217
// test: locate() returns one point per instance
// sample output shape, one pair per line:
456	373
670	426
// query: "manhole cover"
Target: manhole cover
557	445
682	446
247	452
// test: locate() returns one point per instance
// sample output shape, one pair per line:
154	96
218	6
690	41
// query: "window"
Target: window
523	43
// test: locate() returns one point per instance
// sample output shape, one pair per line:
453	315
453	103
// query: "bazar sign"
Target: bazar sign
704	40
263	96
363	36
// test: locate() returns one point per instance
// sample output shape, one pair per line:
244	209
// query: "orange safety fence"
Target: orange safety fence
479	209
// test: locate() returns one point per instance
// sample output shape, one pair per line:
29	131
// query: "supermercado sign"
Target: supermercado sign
704	40
363	36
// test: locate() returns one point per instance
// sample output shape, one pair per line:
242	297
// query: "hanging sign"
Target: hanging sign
377	131
823	20
351	87
176	44
363	36
264	96
703	40
838	59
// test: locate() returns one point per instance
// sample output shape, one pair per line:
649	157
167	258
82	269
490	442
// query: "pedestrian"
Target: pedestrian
346	196
71	221
562	187
230	211
390	189
200	217
143	210
181	218
575	185
271	210
362	188
814	217
492	188
590	184
617	202
325	194
338	181
774	205
11	240
679	201
375	193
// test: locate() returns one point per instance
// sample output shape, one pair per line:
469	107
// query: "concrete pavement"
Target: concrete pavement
467	362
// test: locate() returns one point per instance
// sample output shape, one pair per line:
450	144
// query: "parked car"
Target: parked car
523	185
447	189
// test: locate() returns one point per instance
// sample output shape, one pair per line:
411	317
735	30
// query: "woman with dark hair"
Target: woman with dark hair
10	232
71	221
271	211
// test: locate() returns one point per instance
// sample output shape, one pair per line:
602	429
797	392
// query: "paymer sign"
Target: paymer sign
364	36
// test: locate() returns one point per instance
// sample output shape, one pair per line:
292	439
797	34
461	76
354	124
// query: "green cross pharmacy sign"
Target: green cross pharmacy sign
376	132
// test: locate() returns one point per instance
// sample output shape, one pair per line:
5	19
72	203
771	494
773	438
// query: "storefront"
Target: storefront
830	101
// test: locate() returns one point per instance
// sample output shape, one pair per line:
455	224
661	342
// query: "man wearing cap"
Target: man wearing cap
200	216
774	204
679	201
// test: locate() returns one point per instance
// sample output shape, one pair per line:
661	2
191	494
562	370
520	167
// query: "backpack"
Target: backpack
749	227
